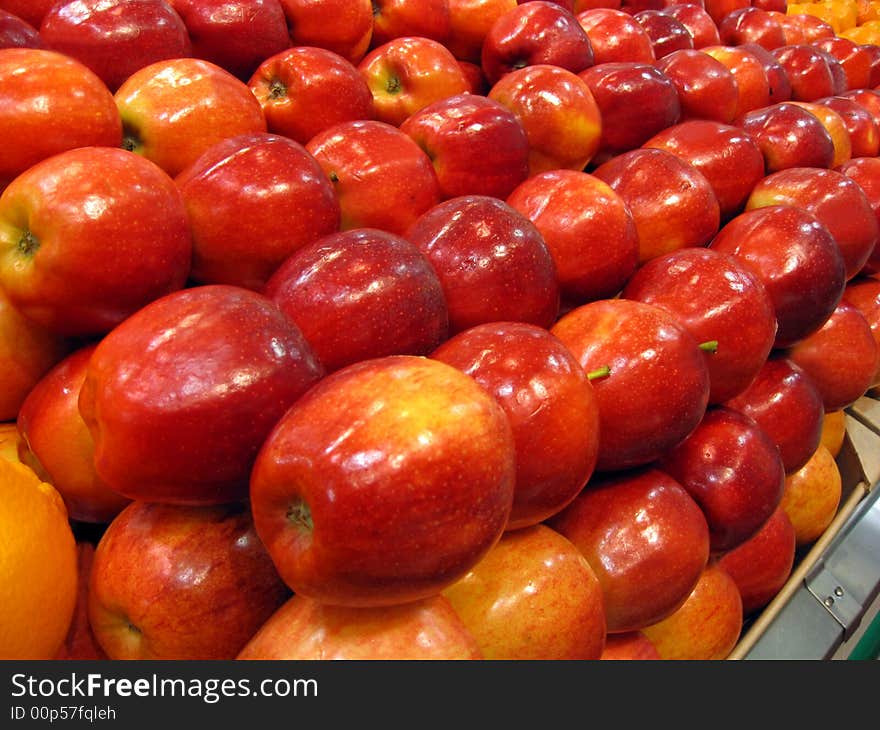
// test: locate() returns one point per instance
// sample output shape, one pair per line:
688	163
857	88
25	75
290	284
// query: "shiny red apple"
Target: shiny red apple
216	366
360	294
253	200
551	406
787	404
492	261
385	483
656	386
646	539
720	300
672	202
589	229
796	258
733	470
303	90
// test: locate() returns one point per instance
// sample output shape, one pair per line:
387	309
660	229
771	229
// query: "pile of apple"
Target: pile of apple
434	328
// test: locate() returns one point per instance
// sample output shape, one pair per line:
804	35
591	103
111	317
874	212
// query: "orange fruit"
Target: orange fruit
38	565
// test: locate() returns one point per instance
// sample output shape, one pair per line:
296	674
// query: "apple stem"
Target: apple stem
599	373
28	244
299	514
709	346
130	139
277	90
393	85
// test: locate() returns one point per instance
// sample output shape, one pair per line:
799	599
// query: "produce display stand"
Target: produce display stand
830	606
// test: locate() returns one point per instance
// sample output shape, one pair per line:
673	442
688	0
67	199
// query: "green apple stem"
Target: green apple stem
28	244
599	373
299	515
709	346
393	85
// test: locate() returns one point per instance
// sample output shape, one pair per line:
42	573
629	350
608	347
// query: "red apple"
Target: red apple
856	61
863	293
342	26
58	446
252	200
657	386
85	205
728	156
173	582
533	33
559	113
360	294
534	596
384	483
646	540
383	179
864	132
17	33
706	87
697	20
304	90
866	172
666	33
707	625
303	629
762	565
27	352
115	38
733	470
749	24
35	124
406	74
836	128
785	402
719	299
174	110
841	357
456	133
812	496
492	261
589	229
788	136
228	360
616	36
399	18
469	23
837	200
672	202
237	35
752	81
620	87
629	646
808	71
796	258
551	406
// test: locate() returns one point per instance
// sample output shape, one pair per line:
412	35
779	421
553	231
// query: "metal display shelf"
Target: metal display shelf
830	606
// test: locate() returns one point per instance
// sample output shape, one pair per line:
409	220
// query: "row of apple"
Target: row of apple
379	477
